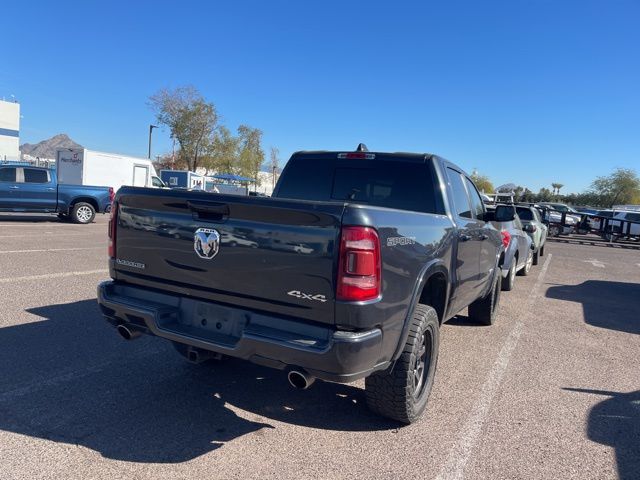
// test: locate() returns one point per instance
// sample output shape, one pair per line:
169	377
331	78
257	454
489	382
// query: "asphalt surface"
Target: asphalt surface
551	391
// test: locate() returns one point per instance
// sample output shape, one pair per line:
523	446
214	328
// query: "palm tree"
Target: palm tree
556	188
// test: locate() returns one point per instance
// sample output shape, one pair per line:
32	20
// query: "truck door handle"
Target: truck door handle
464	237
209	211
13	187
50	188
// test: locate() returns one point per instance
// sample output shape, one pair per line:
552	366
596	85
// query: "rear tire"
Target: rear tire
83	213
401	392
485	310
536	257
524	271
510	280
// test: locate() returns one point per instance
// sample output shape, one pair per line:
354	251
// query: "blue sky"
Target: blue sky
529	92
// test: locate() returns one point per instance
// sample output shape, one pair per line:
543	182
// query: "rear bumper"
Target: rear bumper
329	354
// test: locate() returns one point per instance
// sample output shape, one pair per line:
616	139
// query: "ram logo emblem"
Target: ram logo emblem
206	242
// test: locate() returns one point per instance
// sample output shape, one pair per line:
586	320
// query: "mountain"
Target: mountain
47	148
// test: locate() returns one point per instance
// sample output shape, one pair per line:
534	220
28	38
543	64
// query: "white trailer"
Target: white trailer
79	166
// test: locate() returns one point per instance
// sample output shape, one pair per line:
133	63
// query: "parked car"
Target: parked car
594	222
571	221
518	257
35	189
394	255
237	239
535	228
617	228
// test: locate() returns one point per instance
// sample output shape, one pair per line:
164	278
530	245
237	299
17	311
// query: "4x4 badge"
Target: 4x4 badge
206	242
307	296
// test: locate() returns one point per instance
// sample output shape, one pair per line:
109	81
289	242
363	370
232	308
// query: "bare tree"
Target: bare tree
274	165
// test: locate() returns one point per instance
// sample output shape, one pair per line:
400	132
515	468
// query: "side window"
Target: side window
517	222
7	174
460	197
32	175
477	207
536	216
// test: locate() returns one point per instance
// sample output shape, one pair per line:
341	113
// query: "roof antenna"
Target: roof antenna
362	148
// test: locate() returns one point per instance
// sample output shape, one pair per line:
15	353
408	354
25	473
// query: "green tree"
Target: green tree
251	153
544	195
527	196
191	119
222	154
482	182
621	187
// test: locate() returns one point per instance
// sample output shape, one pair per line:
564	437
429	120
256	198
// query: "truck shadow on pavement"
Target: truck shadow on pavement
29	218
70	378
616	422
612	305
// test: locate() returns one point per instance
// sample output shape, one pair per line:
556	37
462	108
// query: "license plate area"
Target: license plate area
209	322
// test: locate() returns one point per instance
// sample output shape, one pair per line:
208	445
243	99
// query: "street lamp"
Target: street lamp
151	127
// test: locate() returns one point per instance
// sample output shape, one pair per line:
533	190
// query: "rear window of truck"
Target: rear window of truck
402	185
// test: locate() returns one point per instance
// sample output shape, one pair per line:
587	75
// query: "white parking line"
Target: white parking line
52	250
459	455
30	278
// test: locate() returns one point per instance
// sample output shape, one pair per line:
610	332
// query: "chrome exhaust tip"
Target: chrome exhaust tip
128	332
300	379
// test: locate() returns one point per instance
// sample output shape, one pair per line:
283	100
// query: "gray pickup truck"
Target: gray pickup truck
347	272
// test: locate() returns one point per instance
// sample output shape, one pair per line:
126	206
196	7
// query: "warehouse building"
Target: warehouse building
9	131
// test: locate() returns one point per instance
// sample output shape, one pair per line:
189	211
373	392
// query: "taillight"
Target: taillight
112	194
113	221
506	238
359	268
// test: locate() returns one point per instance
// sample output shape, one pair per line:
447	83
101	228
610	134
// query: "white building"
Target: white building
9	131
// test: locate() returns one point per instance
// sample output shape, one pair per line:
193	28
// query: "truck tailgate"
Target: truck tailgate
264	254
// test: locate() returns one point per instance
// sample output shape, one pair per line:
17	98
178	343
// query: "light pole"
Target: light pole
151	127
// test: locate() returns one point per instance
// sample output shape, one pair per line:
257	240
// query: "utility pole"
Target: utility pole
151	127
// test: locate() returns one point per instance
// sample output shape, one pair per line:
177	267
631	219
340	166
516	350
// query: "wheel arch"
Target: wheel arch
432	285
91	201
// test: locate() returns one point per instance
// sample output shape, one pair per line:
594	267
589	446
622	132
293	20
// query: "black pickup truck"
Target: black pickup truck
346	272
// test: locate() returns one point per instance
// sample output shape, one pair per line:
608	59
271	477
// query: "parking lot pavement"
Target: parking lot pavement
551	391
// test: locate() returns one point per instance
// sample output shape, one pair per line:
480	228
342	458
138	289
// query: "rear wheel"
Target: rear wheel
83	213
485	310
554	231
536	256
524	271
401	392
509	281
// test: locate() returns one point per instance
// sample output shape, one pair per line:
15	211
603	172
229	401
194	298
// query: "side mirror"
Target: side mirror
505	213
